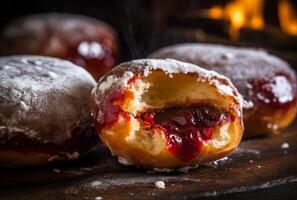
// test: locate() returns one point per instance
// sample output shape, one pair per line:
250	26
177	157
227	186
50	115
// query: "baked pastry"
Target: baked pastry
166	114
265	80
85	41
44	111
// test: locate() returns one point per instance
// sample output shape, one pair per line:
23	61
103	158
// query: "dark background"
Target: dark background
139	34
131	23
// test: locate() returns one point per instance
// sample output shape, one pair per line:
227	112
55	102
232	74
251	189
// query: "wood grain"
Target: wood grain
257	164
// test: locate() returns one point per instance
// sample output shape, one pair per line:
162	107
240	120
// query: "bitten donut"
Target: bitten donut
167	114
44	111
85	41
265	80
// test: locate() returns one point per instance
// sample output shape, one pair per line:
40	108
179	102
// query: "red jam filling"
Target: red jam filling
111	107
96	57
187	128
276	92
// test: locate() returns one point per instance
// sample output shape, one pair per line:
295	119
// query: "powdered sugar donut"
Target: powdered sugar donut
167	114
83	40
265	80
44	111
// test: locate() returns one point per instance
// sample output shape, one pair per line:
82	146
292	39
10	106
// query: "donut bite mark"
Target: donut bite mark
44	111
167	114
266	81
83	40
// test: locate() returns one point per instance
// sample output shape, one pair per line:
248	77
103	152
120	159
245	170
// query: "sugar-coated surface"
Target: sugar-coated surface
42	97
118	78
85	41
242	66
120	75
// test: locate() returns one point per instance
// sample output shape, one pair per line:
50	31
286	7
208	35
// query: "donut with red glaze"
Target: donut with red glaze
266	81
82	40
44	111
166	114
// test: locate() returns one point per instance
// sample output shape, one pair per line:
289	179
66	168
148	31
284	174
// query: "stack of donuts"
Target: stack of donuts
182	106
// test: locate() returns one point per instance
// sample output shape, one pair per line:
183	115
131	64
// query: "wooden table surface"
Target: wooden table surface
261	163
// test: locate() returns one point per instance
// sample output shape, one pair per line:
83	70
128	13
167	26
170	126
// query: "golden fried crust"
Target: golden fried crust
265	80
152	84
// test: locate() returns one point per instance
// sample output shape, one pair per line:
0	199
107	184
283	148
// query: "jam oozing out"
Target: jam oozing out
111	107
96	57
187	128
277	91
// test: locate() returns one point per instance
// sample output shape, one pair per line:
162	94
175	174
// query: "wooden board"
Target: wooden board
257	164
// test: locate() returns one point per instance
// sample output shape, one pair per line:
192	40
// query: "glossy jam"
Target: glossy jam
111	110
276	91
96	57
187	128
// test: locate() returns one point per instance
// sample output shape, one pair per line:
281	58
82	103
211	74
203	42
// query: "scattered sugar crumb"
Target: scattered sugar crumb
95	183
56	170
124	161
98	198
86	168
251	161
186	169
285	145
259	166
160	184
53	158
163	170
24	106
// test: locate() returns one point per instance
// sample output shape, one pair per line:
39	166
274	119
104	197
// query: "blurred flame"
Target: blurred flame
287	17
240	13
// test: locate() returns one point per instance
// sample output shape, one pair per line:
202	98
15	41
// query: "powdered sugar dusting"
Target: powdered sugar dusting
239	64
114	81
171	66
160	184
35	87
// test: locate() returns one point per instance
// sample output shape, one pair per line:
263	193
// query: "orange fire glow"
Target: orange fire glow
249	14
287	17
240	13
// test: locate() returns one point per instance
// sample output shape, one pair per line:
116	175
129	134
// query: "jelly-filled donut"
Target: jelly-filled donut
265	80
85	41
166	114
44	111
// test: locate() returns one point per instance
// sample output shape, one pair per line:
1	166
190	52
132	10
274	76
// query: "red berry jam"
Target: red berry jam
276	92
111	107
187	128
96	57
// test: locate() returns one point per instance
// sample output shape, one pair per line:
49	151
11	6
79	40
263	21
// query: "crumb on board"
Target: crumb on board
95	183
56	170
285	145
98	198
160	184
